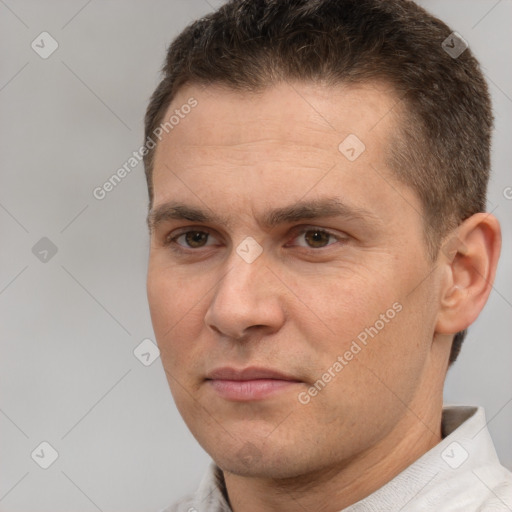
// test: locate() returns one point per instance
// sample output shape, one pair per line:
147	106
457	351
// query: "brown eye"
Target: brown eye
192	239
196	239
317	238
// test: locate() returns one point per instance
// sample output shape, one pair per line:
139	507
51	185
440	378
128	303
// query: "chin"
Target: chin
251	461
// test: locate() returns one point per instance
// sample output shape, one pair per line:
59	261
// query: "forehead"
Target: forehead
236	149
304	114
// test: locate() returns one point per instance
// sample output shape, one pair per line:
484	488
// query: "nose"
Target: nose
247	299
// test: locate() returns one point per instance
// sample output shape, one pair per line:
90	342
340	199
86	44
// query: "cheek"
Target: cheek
334	309
177	315
383	346
177	322
367	320
170	296
160	299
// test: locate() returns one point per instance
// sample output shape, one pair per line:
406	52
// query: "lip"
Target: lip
249	384
250	373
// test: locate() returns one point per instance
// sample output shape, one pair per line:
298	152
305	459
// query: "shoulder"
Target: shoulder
496	488
208	497
185	504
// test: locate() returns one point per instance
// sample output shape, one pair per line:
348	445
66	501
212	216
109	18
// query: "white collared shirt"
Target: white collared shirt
460	474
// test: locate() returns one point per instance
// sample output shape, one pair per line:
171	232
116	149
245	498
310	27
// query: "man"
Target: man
319	246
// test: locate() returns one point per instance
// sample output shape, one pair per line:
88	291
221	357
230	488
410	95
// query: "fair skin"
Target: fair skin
309	294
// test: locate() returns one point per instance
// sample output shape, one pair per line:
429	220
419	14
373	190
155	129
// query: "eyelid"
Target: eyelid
173	235
300	230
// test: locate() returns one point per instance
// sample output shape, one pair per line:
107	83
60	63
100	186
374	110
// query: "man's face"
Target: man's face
353	287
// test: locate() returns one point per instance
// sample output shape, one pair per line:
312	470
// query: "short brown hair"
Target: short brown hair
442	145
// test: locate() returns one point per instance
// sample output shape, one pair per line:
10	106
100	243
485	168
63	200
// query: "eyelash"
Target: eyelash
174	246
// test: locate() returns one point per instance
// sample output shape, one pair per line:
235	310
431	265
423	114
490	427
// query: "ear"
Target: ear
469	256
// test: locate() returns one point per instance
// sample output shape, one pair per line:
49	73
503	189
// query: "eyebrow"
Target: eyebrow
312	209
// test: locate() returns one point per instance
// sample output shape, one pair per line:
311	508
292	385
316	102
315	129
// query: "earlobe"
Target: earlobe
469	256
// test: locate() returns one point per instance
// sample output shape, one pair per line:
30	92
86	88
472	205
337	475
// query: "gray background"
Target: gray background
69	326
